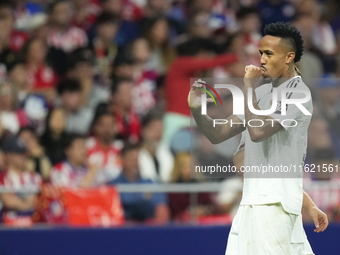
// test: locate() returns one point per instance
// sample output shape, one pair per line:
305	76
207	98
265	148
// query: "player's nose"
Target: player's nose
263	61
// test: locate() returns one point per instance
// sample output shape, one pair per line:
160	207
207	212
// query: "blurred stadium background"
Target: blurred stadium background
95	129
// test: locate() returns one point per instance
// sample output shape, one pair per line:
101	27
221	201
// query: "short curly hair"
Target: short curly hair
289	34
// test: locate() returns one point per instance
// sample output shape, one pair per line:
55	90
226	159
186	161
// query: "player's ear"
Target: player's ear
290	57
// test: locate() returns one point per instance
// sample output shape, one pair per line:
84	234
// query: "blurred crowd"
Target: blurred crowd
94	92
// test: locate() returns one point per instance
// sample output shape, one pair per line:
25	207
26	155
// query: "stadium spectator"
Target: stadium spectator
329	107
140	51
113	6
206	155
38	162
103	46
162	54
180	204
323	38
80	68
18	76
139	206
222	16
310	65
22	185
62	35
272	11
156	8
54	134
102	149
197	5
162	8
36	108
24	13
86	12
155	158
123	65
127	9
325	196
329	101
14	38
129	15
249	21
78	118
4	134
38	27
42	78
198	25
318	136
11	117
235	44
144	89
6	23
193	58
74	171
128	122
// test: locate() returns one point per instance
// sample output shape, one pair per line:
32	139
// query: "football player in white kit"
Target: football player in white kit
270	207
299	242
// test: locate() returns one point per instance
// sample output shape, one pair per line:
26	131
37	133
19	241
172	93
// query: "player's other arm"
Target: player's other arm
266	126
320	218
191	64
216	134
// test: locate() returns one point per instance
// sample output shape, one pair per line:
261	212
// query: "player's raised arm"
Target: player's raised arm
216	134
269	128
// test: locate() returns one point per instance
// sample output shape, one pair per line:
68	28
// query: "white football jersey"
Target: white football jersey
273	167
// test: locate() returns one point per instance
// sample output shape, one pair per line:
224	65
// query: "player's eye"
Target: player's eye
269	54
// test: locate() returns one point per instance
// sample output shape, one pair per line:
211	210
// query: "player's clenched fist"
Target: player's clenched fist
194	97
252	74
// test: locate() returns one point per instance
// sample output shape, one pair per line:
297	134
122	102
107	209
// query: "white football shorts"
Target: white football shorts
267	230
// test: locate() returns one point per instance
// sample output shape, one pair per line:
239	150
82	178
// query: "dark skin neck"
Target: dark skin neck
290	72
